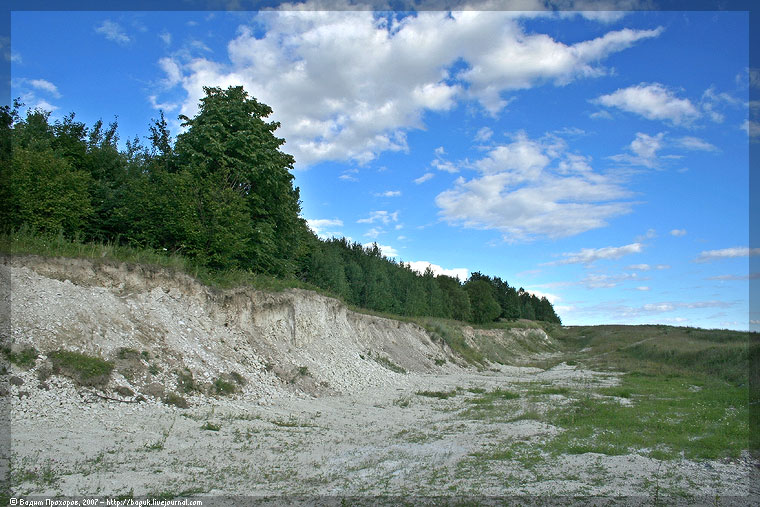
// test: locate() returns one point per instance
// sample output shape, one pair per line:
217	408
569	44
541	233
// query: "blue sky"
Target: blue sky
600	159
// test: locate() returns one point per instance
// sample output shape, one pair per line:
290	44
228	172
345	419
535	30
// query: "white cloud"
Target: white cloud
643	288
348	85
643	151
678	232
322	226
652	101
591	255
166	106
113	32
374	232
386	250
389	193
552	298
694	143
602	281
421	266
44	85
166	37
726	253
519	193
348	175
647	267
381	216
425	177
483	135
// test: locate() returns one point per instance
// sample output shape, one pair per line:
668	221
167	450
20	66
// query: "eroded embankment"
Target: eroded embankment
167	332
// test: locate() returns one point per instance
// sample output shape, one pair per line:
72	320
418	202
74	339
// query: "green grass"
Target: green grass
209	426
176	400
390	365
668	417
223	387
83	369
24	358
441	395
449	331
27	242
491	406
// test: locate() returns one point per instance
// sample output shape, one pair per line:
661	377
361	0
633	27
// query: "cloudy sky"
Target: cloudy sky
598	158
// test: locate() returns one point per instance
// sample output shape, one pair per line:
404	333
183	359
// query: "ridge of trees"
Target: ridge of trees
222	195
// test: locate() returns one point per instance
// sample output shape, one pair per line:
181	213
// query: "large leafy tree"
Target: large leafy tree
235	159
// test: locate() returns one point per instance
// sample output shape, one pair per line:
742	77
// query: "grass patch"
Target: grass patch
83	369
186	383
209	426
668	418
490	405
441	395
388	364
224	388
25	358
451	334
176	400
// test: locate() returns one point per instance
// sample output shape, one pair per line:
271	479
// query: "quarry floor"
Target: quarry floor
401	441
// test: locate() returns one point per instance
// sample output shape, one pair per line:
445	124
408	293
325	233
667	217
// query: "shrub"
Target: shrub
23	358
175	400
222	387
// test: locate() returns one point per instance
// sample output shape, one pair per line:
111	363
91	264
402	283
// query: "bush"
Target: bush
175	400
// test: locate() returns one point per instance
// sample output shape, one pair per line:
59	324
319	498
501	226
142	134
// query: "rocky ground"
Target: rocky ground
330	403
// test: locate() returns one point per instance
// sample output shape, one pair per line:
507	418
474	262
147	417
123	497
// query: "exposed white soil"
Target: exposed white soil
321	413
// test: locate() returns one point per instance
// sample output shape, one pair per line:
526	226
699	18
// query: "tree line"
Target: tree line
222	195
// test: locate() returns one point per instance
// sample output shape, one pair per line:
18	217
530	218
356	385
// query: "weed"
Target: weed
303	371
127	353
83	369
23	358
124	391
186	383
402	402
153	369
208	425
441	395
390	365
439	362
175	400
224	388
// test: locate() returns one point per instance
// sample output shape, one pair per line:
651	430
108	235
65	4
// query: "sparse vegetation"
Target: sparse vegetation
186	383
25	357
83	369
388	364
175	400
208	425
223	387
441	395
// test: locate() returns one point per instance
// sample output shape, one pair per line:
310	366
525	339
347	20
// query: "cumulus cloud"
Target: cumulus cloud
520	193
678	232
642	151
348	85
652	101
421	266
113	32
591	255
726	253
483	135
389	193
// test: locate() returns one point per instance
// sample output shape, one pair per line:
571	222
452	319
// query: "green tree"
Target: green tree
482	303
237	166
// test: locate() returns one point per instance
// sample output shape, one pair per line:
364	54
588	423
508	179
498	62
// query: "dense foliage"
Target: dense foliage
221	195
